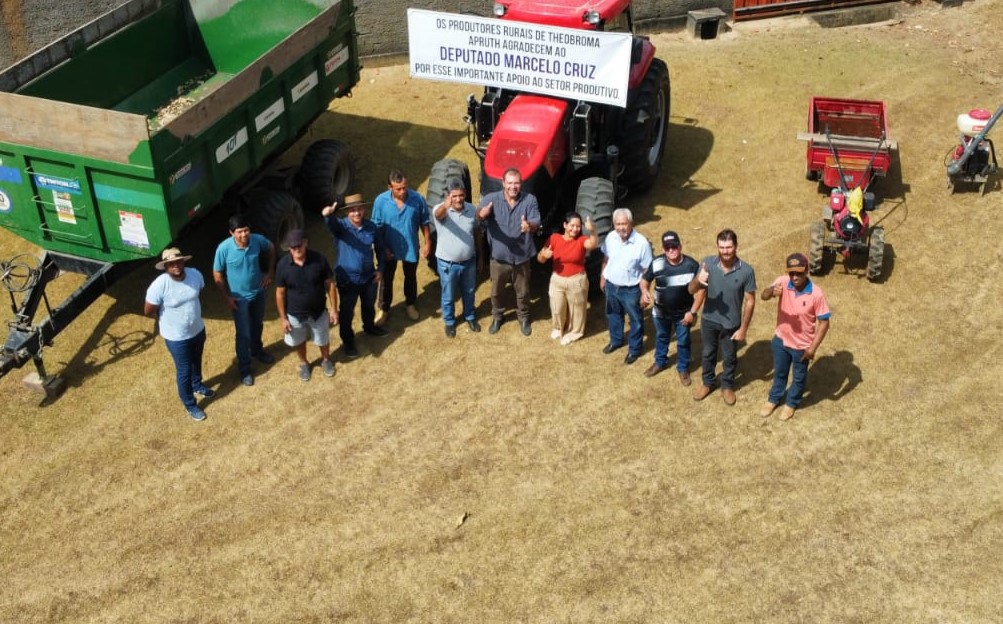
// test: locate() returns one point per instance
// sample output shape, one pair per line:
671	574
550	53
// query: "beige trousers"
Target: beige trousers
568	304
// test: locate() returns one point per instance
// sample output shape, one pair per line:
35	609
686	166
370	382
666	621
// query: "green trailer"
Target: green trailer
120	136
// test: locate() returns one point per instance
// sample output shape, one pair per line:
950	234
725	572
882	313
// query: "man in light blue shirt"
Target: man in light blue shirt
400	213
237	271
626	257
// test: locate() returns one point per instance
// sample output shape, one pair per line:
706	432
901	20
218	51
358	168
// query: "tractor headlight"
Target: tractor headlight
592	17
499	9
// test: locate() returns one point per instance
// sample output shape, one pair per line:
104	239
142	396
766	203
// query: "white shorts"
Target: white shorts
318	329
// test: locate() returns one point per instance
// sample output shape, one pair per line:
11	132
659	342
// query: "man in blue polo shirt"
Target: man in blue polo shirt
400	213
237	271
626	257
357	275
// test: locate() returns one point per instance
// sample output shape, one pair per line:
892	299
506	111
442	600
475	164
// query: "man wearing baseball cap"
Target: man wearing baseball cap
802	322
674	307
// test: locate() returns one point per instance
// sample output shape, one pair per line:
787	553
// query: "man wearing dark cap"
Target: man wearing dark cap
802	322
674	306
304	283
359	269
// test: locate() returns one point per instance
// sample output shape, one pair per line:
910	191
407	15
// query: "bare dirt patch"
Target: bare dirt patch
590	493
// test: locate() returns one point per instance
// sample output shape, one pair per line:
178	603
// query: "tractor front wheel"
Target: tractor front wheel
875	253
326	174
816	247
644	129
272	213
595	201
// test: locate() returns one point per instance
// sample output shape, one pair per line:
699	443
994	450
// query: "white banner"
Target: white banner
562	62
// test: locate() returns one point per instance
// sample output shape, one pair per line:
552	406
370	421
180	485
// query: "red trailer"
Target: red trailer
847	138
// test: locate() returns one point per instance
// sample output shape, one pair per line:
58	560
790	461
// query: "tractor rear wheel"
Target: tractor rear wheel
326	174
272	213
595	201
875	253
644	128
442	172
816	247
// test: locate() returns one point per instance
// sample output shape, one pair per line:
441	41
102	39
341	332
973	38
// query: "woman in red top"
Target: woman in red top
569	286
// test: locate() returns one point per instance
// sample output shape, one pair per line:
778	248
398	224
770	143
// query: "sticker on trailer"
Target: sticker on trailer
132	229
337	60
269	115
5	204
304	86
231	145
64	207
57	184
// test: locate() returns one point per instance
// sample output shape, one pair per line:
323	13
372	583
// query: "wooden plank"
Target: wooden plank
72	129
847	142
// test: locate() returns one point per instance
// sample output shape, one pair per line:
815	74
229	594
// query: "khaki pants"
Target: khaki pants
568	304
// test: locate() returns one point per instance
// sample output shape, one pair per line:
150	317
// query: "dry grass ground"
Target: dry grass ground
590	493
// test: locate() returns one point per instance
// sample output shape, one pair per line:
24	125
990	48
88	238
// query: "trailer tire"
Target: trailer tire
644	129
442	171
595	201
327	173
875	253
273	213
816	247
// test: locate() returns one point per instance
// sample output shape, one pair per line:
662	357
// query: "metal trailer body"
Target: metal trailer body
127	131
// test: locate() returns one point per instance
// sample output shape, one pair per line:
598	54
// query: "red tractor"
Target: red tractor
572	154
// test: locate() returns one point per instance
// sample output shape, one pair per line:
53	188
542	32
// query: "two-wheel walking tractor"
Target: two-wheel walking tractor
973	160
848	146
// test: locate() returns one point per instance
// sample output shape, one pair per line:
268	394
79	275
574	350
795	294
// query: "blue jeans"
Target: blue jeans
187	356
249	319
785	358
625	301
455	276
714	335
663	334
350	294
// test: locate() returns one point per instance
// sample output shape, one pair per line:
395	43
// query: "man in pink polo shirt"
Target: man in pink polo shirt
802	322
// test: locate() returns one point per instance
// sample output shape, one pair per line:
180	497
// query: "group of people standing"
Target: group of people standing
311	298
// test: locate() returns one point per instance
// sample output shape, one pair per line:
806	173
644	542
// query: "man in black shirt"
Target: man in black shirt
674	306
303	280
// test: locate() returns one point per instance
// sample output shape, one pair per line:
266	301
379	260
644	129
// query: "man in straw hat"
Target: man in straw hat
802	322
173	299
357	273
237	271
303	284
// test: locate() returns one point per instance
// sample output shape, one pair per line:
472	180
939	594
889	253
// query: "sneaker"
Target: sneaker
304	372
412	313
196	413
555	334
701	393
787	413
653	370
264	358
729	396
350	351
377	331
205	392
474	326
247	380
684	377
328	367
450	331
767	409
568	339
381	317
